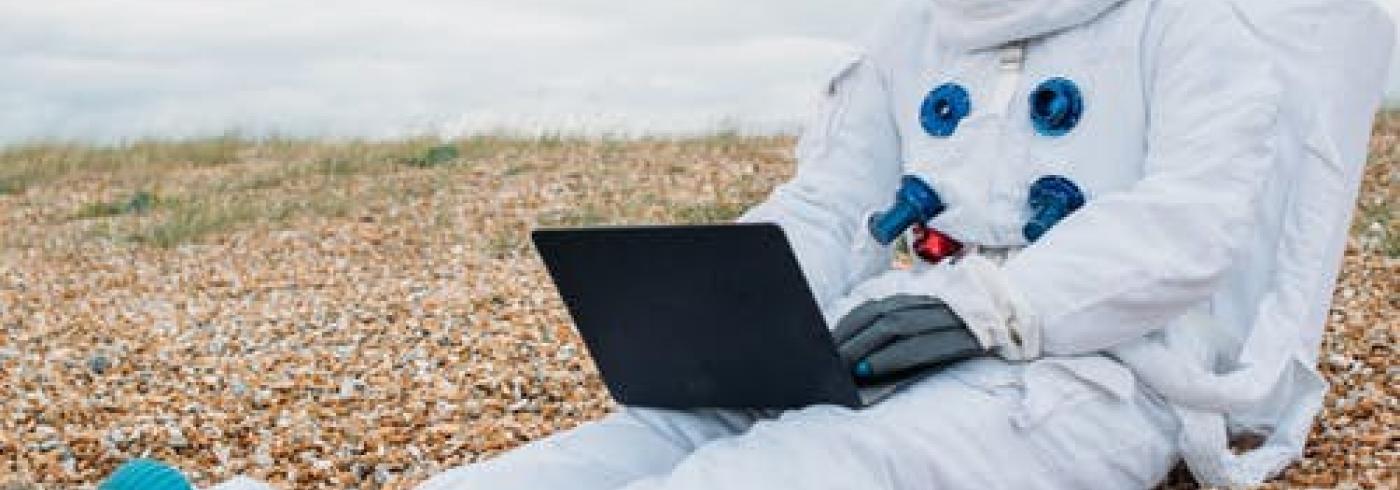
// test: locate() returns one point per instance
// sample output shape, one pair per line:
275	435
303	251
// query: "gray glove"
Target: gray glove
893	336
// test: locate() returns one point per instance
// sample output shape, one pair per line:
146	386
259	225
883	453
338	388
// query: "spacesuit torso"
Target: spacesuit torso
985	166
1189	262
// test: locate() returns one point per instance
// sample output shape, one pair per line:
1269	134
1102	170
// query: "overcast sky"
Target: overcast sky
113	70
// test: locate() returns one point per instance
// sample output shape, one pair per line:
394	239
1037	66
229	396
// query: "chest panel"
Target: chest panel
984	169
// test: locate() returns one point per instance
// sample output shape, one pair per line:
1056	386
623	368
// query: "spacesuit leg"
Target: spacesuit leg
982	424
628	445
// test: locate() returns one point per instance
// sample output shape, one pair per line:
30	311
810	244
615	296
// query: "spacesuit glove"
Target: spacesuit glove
974	289
897	335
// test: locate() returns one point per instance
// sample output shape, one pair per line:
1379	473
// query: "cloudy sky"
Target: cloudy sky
113	70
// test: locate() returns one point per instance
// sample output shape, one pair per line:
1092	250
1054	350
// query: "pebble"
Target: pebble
176	438
99	364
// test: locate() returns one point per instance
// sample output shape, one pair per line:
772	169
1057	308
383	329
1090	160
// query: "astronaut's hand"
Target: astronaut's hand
886	338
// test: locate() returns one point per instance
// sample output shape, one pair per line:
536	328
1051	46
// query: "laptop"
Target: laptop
708	316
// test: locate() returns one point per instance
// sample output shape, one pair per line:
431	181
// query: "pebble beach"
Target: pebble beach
366	314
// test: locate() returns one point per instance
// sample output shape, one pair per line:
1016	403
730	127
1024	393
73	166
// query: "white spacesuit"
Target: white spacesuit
1218	145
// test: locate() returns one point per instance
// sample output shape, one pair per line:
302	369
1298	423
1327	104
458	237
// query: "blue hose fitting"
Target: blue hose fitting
1052	198
146	474
1056	107
943	109
914	203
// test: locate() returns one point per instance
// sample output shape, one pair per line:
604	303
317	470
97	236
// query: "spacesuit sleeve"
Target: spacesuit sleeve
1129	262
847	167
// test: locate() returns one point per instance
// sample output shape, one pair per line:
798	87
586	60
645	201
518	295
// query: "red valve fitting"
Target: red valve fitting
934	246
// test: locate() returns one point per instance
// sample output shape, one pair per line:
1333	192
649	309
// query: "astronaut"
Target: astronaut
1127	239
1099	190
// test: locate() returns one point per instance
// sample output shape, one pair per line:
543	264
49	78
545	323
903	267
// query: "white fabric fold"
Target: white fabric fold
976	289
980	24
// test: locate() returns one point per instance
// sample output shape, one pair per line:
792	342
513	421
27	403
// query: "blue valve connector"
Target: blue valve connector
146	474
914	203
1056	107
943	109
1052	198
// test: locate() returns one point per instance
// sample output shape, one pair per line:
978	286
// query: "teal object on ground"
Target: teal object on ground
146	474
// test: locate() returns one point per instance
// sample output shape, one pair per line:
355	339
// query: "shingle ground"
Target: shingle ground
354	316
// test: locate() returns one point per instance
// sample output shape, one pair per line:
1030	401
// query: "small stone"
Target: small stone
382	475
99	364
176	437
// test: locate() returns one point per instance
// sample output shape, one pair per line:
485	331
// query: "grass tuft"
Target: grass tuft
10	186
587	214
339	167
189	222
721	212
139	203
435	156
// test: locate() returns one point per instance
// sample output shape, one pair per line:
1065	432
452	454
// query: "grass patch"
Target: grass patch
339	167
1377	223
329	167
139	203
218	185
26	166
262	180
507	242
1378	227
722	212
588	214
435	156
190	222
11	186
220	150
518	169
